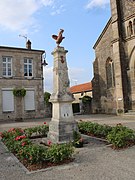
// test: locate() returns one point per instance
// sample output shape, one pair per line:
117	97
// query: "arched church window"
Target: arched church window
127	30
110	73
130	30
134	25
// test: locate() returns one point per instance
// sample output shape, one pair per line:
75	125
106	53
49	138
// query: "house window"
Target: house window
110	73
7	66
28	67
7	101
29	100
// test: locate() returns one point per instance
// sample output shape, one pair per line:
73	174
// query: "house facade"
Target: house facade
79	92
21	68
114	65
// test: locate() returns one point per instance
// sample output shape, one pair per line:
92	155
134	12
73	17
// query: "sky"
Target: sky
82	21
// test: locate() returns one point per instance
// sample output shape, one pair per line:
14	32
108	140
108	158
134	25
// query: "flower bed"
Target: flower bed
34	156
119	136
94	129
38	131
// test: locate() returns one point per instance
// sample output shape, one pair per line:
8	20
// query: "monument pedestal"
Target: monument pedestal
62	123
61	131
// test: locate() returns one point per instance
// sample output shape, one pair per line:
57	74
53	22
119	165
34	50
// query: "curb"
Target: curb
14	158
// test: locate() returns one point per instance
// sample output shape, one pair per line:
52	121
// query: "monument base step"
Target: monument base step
130	113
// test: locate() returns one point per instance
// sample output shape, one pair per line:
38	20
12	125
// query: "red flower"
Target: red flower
49	142
12	129
21	130
23	144
17	138
23	137
45	123
20	137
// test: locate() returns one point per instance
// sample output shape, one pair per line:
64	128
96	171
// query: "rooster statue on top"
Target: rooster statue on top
58	38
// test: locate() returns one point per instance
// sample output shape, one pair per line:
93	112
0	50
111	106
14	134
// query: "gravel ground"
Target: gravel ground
95	161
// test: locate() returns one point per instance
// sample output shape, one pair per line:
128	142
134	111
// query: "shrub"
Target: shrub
94	129
36	154
86	99
32	153
59	152
102	130
19	92
85	127
19	144
38	130
14	139
77	140
121	136
11	133
47	97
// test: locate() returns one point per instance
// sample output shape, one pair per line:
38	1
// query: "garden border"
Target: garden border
63	166
15	158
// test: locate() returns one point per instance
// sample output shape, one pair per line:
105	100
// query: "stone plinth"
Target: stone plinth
62	123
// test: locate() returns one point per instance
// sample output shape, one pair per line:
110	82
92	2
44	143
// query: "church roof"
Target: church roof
85	87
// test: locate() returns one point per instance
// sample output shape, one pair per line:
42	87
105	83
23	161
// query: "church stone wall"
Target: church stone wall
127	8
117	43
103	97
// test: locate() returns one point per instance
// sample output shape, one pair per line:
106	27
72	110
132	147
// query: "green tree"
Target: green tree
86	99
47	97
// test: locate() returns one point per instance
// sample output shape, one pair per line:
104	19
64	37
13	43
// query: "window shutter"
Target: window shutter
7	100
29	100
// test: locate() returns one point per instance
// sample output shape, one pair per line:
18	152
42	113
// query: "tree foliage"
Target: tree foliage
47	97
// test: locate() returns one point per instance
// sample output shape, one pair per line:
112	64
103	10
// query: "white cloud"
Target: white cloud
97	3
47	2
18	15
58	10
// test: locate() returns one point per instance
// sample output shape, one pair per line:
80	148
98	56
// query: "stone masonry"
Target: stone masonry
62	123
114	65
18	80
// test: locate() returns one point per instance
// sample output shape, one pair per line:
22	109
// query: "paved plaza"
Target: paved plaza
95	161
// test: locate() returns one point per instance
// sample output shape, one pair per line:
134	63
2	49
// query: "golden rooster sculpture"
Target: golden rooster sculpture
58	38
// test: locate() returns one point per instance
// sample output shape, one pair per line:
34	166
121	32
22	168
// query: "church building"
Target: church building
114	65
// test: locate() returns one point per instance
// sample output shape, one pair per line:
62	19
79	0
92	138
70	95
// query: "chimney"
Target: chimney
28	44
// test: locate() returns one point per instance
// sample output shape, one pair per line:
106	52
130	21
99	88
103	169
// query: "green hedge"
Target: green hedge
119	136
94	129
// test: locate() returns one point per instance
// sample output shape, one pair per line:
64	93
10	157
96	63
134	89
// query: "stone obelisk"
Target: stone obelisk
62	123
